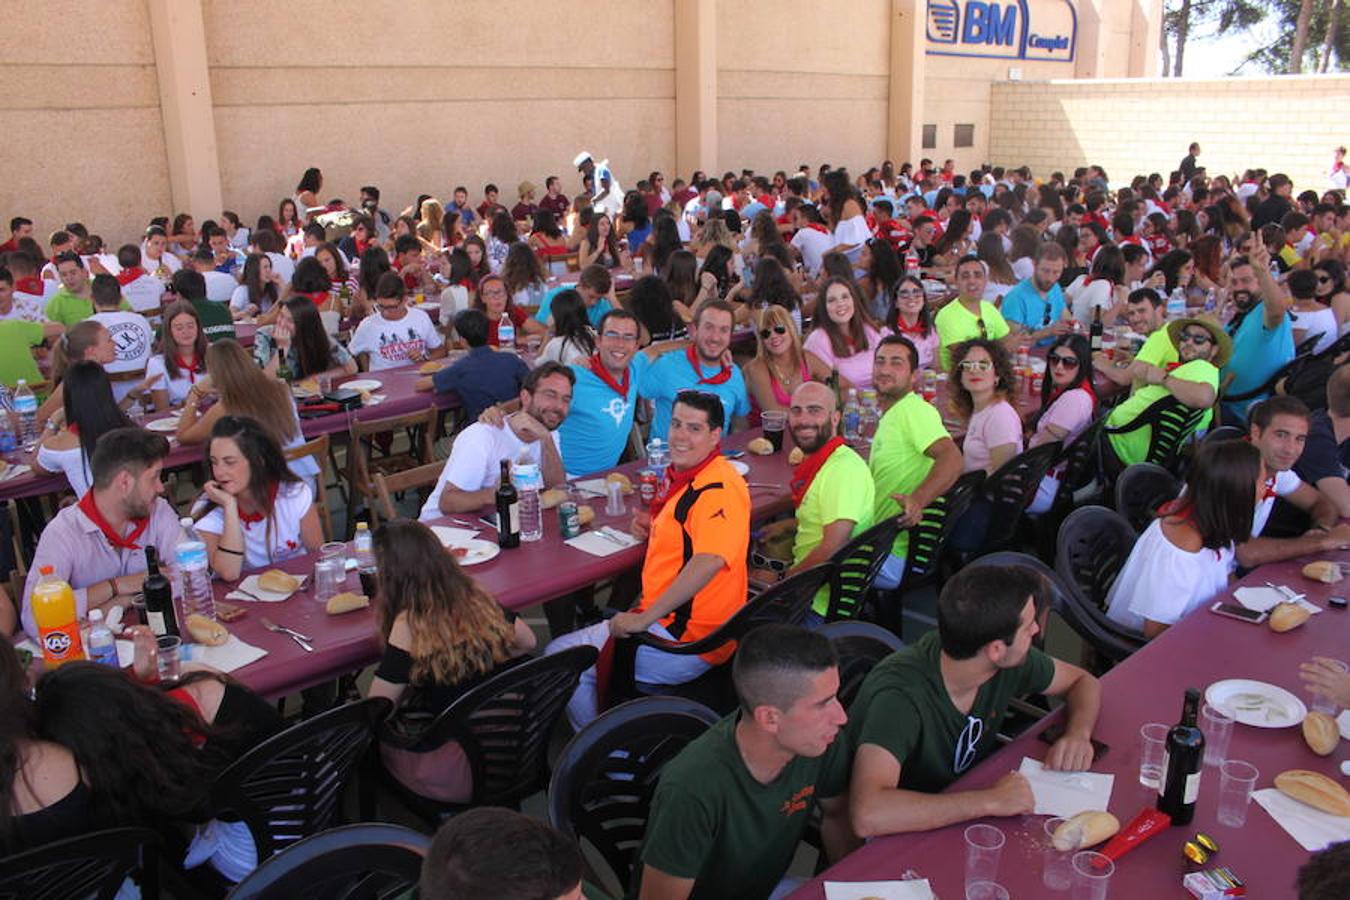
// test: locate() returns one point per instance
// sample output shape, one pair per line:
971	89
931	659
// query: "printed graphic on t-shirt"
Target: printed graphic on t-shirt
967	743
394	348
130	341
798	802
616	409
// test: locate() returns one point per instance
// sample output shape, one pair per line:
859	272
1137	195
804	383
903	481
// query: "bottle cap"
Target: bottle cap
95	616
186	521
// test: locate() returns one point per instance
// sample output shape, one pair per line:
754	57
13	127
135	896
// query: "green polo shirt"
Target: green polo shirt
899	461
955	324
842	489
1132	446
68	309
17	340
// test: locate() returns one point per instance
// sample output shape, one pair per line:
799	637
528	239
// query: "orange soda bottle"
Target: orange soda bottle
57	621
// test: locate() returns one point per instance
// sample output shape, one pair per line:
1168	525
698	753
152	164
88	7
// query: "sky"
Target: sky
1214	56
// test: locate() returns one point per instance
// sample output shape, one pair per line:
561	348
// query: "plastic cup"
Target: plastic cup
1056	865
169	649
330	576
614	505
986	890
332	550
773	422
1321	702
1237	780
1217	725
1152	753
1091	875
984	846
325	381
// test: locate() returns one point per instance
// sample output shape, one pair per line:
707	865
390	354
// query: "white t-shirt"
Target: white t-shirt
276	537
145	294
219	286
25	308
1164	583
166	259
132	339
388	342
852	231
813	245
49	289
70	462
476	461
177	387
1083	297
1286	483
1023	268
562	350
1320	322
283	265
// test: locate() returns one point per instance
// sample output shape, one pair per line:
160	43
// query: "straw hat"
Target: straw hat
1222	341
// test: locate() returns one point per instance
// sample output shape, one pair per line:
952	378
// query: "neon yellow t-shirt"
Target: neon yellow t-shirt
1132	446
842	489
955	324
899	461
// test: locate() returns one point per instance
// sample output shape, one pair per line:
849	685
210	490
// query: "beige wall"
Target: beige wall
80	123
1144	125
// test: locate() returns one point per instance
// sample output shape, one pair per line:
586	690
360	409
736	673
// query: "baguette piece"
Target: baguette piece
621	479
795	455
207	631
760	446
1321	733
552	497
585	514
1087	829
1314	789
276	581
1324	570
345	602
1287	616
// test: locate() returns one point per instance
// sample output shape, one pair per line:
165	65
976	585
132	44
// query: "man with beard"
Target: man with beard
702	367
471	474
97	545
831	489
1035	307
1146	313
1261	330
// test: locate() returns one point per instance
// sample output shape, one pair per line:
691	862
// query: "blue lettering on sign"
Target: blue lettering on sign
1002	29
986	24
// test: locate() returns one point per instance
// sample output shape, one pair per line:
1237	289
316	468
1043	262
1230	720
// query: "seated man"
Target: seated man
228	260
1035	307
1203	347
219	286
483	376
1262	332
490	853
399	334
831	490
471	474
215	318
969	315
694	575
18	337
1146	313
73	302
30	290
731	808
13	305
596	287
928	713
702	367
143	291
97	545
1326	456
132	337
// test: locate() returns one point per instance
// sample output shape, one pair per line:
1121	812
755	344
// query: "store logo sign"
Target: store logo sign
1012	29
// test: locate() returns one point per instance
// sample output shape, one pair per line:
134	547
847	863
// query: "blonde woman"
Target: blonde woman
430	225
443	635
780	365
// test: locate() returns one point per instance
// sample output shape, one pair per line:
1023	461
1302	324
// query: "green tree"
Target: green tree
1311	38
1184	20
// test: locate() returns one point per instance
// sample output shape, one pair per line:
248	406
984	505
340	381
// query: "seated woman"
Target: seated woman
574	338
687	287
182	357
846	337
980	389
300	338
495	301
90	412
87	341
547	239
780	364
340	277
501	235
257	512
658	317
772	287
523	275
260	289
443	635
881	270
1184	557
914	319
1068	404
601	246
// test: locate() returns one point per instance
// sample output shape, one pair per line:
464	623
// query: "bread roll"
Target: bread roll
760	446
1087	829
585	514
552	497
346	602
620	478
1321	733
429	368
1287	617
795	456
1314	789
207	631
1324	571
276	581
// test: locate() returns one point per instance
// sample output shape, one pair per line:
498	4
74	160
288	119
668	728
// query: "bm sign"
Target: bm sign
1003	29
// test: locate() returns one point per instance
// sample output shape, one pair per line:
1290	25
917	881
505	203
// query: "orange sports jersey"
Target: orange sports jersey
715	510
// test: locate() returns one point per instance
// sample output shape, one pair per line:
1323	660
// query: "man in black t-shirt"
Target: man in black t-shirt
1326	455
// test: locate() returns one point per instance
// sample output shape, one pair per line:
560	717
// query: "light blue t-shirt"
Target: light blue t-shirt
595	313
672	373
752	209
598	424
1258	352
1025	306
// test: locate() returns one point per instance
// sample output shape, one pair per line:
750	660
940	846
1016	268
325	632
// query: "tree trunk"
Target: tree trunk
1166	52
1183	30
1333	20
1300	37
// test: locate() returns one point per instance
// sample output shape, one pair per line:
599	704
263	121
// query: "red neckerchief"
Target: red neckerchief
73	428
319	297
903	328
30	285
599	370
720	378
806	470
127	276
190	369
1269	492
360	246
90	509
1085	386
1184	510
677	480
816	226
252	518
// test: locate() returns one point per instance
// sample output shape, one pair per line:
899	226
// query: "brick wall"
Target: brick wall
1136	126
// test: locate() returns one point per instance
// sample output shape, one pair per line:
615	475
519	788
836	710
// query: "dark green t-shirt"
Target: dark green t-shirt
903	706
216	320
713	822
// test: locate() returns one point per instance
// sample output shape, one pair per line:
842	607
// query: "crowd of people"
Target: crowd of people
861	292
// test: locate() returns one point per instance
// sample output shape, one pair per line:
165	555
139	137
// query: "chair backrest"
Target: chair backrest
1141	489
386	486
859	646
421	427
1013	486
1090	550
290	786
929	537
856	565
784	603
89	867
1170	423
503	724
1057	592
1224	433
368	860
318	449
603	781
1304	348
1080	463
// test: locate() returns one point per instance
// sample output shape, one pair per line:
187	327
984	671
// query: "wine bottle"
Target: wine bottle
508	510
1181	763
1095	333
158	593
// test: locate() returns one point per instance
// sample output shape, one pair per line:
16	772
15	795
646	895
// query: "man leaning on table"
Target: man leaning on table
694	576
927	714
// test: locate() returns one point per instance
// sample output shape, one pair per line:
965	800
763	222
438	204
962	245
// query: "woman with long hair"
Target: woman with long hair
772	287
91	412
523	275
1001	280
1022	254
1331	290
1068	405
288	223
654	308
955	240
664	242
1067	238
600	246
431	216
1103	286
181	359
881	270
574	338
1178	269
1183	559
846	337
495	301
780	364
635	222
502	235
307	192
681	275
845	214
87	340
260	289
547	239
720	265
479	268
339	278
443	635
374	263
299	337
980	391
913	319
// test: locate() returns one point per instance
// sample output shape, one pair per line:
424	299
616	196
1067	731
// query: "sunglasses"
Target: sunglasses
760	561
777	329
976	365
1068	362
984	332
1198	339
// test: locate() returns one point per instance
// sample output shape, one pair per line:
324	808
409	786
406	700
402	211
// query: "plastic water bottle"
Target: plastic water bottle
528	481
852	416
506	333
870	415
26	405
363	547
658	457
190	555
1176	304
102	648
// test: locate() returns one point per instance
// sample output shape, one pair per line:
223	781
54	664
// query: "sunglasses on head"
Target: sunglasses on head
1196	338
1068	362
776	329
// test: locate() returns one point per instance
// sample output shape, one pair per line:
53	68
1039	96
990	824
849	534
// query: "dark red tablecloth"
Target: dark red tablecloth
1148	687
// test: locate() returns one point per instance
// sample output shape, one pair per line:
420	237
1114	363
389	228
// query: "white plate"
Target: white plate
739	466
169	424
478	551
1275	707
362	384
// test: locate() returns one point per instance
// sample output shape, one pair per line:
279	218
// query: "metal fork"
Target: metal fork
301	639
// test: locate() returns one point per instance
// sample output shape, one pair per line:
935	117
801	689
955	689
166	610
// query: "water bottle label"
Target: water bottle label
105	654
25	404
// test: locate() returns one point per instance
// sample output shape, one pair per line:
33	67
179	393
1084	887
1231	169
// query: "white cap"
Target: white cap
581	158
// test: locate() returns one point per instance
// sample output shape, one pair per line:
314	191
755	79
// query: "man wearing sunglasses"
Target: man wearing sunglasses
928	713
969	316
706	366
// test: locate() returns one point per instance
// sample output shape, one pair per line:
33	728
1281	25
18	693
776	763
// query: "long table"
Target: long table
1148	687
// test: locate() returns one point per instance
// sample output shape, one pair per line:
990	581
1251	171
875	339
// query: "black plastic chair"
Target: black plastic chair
928	539
783	603
1224	433
355	862
290	786
1012	488
1094	543
856	565
88	867
1080	468
603	781
1141	489
1170	423
859	646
